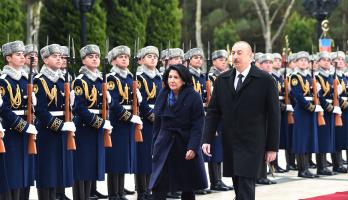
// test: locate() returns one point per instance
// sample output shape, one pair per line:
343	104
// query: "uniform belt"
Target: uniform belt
152	106
127	107
20	112
309	98
345	98
281	98
329	100
95	111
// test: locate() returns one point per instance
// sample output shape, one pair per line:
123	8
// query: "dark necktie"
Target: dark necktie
240	81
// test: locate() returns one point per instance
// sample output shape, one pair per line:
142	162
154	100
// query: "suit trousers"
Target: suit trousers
244	187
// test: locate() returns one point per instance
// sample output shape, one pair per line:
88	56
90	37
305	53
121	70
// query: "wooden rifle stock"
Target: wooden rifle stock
137	132
2	146
320	116
208	89
338	119
287	101
67	117
107	137
31	139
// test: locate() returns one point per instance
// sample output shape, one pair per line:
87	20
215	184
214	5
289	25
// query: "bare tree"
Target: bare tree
33	21
263	10
198	23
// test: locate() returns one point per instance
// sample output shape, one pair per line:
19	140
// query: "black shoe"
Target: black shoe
265	181
61	197
116	197
329	164
174	195
220	186
278	169
201	192
291	167
229	187
340	169
97	195
128	192
326	172
312	165
122	197
306	174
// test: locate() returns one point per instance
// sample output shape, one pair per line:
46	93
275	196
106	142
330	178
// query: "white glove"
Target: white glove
34	100
1	101
339	89
69	126
318	108
2	131
107	125
318	87
140	98
136	120
289	108
72	98
337	110
31	129
108	97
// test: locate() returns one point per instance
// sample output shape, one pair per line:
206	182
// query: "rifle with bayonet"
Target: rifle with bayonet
107	137
71	145
320	115
286	84
208	82
338	119
32	137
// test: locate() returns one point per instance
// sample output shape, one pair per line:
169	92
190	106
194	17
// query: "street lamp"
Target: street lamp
83	6
320	9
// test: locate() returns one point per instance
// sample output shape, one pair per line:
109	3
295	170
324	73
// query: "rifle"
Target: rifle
286	88
208	82
67	111
135	109
2	146
338	119
107	137
320	116
32	137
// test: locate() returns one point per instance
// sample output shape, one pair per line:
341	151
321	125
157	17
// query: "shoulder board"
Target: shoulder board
79	76
38	75
3	76
112	74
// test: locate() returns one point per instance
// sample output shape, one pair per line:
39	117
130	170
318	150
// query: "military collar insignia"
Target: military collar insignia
324	72
150	73
276	72
214	71
90	75
121	72
50	74
13	73
194	71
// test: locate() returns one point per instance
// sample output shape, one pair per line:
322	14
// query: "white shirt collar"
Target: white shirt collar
244	73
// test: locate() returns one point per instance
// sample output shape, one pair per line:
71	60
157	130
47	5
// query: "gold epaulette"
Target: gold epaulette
16	100
197	86
152	94
122	91
90	97
52	94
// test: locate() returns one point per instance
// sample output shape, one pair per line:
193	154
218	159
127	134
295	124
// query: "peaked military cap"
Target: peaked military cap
148	50
30	48
277	56
64	50
266	57
12	47
89	49
302	54
119	50
49	50
219	53
175	52
195	52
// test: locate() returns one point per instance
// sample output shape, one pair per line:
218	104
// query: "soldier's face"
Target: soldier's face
267	66
303	63
277	63
36	59
91	61
121	61
220	63
53	61
64	62
324	63
175	61
16	60
174	81
340	63
150	60
196	61
292	64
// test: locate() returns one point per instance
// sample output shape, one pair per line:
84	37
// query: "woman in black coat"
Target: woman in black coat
177	163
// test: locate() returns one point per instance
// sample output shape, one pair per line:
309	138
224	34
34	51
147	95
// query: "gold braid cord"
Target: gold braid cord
152	94
279	87
123	93
305	87
197	86
325	86
90	97
16	100
52	94
343	86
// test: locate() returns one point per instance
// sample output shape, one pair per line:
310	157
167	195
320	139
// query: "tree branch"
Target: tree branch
259	14
276	11
285	18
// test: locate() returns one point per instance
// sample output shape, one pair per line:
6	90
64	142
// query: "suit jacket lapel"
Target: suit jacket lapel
231	81
248	78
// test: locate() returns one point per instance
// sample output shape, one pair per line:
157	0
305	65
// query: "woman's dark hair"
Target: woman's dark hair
183	72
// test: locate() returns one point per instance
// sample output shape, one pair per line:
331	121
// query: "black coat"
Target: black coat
176	130
251	121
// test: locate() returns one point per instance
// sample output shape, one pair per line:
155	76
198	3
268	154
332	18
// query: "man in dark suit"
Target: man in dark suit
246	100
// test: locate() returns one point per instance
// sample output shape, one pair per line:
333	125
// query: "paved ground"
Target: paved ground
289	187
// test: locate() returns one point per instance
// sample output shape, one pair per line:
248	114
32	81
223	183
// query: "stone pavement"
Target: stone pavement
289	187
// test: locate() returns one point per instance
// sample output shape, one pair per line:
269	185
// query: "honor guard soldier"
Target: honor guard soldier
341	132
292	64
54	161
257	57
89	157
164	60
120	159
305	128
175	56
31	51
219	58
150	84
18	165
326	133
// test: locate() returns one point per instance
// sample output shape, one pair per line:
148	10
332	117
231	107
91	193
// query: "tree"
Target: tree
126	21
263	10
300	32
59	19
225	34
198	24
164	23
33	21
